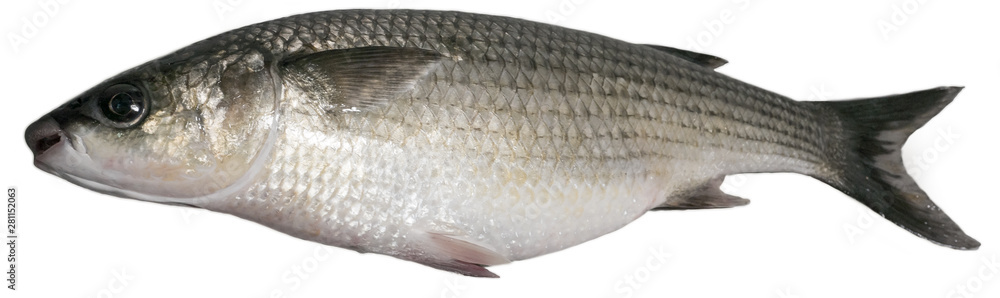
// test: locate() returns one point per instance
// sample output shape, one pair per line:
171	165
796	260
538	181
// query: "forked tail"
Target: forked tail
869	166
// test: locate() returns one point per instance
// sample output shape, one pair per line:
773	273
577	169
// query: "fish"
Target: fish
461	141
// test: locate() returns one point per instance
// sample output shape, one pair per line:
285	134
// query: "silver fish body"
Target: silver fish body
462	140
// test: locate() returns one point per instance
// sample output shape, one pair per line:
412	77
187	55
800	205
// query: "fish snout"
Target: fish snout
43	134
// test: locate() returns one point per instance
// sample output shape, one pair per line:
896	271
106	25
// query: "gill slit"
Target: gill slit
263	154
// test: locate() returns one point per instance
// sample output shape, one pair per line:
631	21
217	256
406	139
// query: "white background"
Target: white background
798	238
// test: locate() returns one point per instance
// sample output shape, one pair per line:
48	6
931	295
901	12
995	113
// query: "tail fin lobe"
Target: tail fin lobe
870	167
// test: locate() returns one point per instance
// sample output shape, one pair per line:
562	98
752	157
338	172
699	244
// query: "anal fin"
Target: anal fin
707	196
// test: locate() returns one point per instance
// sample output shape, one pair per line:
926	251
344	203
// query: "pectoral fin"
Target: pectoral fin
466	250
357	78
463	268
707	196
464	256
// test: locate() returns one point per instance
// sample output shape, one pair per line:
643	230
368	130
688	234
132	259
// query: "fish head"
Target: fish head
178	129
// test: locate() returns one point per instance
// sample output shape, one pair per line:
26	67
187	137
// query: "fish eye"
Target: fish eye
124	105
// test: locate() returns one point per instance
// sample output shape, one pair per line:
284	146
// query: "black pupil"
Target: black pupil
122	104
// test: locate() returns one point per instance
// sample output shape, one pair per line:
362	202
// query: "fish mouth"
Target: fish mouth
43	135
46	140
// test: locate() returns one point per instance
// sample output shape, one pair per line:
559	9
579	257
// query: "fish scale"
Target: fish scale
462	140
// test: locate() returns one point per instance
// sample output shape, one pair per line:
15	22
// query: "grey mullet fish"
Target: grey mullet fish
460	140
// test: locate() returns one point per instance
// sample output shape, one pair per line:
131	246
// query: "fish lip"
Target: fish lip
49	153
42	155
66	153
47	142
42	135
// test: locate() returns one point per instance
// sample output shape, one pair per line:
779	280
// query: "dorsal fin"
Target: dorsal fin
705	60
357	78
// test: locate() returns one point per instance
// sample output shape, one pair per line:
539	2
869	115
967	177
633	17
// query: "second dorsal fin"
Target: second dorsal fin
705	60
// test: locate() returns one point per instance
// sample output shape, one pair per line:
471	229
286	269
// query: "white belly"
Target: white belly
373	195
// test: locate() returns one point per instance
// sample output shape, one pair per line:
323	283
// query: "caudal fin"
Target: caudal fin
870	169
